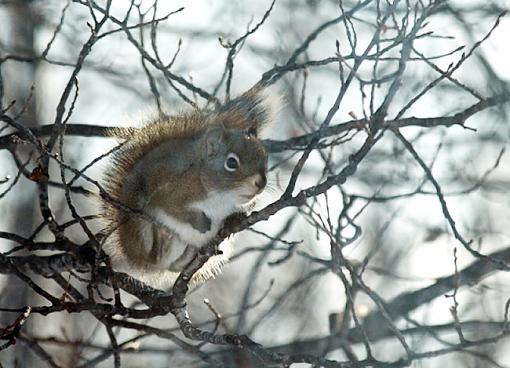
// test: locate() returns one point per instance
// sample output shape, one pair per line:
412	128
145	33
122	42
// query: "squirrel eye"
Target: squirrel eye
232	162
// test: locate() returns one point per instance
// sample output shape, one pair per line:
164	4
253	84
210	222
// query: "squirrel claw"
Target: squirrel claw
234	219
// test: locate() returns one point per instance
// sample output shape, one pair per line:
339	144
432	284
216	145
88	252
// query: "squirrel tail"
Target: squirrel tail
258	107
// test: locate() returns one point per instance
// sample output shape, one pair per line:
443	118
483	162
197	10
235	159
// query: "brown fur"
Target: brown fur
140	177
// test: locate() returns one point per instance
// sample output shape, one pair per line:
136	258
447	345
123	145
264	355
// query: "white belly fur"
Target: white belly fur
217	206
164	279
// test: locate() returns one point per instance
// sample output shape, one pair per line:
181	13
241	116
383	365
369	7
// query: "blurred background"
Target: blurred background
282	287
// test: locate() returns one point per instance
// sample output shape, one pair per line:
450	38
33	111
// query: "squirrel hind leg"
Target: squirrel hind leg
130	241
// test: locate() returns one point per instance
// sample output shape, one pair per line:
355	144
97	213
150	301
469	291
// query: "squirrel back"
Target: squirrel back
177	179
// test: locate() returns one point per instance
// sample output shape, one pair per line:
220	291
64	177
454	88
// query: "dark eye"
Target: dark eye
232	162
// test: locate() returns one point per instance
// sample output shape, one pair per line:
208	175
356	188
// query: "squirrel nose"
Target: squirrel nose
260	181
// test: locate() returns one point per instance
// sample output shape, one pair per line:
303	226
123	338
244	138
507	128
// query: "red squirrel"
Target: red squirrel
188	173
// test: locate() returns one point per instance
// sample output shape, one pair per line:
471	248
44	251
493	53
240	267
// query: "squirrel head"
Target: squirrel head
233	159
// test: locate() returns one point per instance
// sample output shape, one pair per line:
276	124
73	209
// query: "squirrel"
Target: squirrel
186	174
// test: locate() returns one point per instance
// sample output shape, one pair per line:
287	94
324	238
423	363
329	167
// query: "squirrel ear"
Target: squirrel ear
252	130
214	138
258	106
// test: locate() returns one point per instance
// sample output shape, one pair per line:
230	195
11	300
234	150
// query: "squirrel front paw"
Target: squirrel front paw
201	222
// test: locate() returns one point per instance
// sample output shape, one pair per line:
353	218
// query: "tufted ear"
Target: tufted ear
257	107
252	130
213	139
